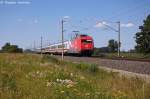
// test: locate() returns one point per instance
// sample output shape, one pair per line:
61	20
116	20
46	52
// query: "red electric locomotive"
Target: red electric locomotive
82	45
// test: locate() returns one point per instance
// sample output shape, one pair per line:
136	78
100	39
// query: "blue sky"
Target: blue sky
22	24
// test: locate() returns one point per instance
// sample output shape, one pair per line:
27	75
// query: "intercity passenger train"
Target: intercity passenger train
79	45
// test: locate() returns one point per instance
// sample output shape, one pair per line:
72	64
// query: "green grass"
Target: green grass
29	76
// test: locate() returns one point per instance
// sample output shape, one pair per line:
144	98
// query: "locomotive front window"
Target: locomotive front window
86	41
83	35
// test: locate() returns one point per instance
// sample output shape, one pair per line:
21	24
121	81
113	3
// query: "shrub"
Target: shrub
11	48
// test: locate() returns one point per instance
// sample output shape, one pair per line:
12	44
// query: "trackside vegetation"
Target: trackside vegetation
124	55
30	76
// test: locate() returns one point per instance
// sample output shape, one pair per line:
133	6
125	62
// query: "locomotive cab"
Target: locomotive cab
87	45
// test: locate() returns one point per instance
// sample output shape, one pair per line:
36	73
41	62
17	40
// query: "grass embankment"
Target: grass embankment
25	76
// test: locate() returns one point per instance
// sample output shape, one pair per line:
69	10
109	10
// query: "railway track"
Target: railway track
130	65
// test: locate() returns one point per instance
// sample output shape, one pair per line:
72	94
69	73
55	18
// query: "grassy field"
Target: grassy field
27	76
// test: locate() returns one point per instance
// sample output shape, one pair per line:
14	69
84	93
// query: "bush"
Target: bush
11	48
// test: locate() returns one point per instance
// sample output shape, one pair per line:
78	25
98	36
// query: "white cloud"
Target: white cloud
100	24
66	17
127	25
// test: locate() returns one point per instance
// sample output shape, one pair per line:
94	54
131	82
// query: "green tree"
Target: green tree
11	48
143	37
112	45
